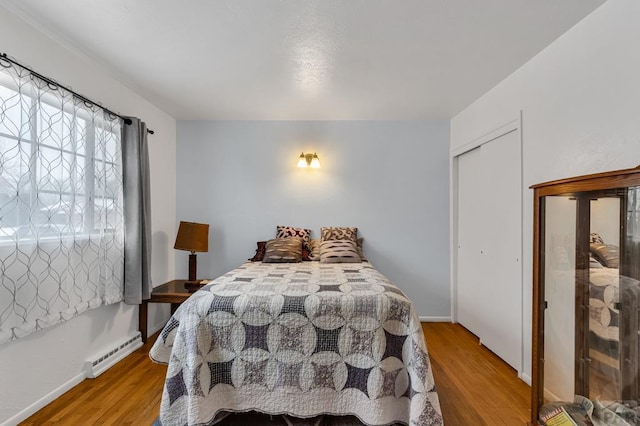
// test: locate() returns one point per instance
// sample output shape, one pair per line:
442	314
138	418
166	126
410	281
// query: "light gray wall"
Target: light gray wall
390	179
580	110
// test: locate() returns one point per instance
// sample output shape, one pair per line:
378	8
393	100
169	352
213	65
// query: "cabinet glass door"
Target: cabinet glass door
600	357
560	289
591	276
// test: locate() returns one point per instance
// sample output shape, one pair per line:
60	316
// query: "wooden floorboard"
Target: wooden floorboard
475	387
127	394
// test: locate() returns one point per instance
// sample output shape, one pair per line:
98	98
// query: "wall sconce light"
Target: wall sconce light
309	160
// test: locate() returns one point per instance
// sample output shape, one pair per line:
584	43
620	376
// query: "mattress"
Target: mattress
303	339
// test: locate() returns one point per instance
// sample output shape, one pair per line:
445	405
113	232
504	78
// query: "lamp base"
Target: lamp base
192	266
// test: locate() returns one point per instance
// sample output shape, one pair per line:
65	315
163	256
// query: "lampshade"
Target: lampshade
192	237
315	162
301	161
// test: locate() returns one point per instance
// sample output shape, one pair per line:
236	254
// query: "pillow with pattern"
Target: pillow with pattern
259	252
283	250
315	249
339	233
594	237
593	262
339	251
607	254
305	234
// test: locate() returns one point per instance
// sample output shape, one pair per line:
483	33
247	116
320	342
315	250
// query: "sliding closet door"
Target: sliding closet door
490	245
503	248
471	266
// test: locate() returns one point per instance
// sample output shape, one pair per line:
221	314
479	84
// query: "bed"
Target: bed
301	339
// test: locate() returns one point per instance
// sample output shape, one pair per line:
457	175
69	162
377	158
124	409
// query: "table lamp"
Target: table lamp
193	237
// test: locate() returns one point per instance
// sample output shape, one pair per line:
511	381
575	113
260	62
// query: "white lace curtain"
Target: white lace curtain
61	220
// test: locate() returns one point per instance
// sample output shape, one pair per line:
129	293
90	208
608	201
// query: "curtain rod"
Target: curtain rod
50	82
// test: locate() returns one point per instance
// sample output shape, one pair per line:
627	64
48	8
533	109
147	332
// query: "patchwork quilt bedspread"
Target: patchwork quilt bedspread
301	339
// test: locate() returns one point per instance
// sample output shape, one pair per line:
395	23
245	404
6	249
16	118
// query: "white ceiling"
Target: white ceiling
304	59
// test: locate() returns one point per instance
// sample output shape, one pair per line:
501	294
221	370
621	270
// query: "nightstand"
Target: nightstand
173	292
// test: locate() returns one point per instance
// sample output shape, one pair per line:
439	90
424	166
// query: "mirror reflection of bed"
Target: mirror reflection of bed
592	289
613	302
604	301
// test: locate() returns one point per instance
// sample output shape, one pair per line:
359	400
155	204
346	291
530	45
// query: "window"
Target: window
61	219
60	172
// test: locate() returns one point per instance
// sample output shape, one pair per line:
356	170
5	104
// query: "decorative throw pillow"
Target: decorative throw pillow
283	250
338	233
594	237
607	254
593	262
306	254
360	243
339	251
259	252
290	231
315	249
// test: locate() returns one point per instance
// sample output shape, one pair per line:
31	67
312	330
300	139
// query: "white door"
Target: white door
490	245
470	235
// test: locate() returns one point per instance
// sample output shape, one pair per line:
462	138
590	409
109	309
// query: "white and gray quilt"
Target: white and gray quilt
301	339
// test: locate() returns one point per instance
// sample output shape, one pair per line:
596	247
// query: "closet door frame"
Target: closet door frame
508	127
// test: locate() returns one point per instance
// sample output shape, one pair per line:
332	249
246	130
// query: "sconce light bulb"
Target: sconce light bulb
315	162
302	162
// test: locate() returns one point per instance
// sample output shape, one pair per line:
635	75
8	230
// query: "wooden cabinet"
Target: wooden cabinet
586	292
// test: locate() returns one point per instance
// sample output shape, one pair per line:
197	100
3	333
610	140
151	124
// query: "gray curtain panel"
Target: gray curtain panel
137	213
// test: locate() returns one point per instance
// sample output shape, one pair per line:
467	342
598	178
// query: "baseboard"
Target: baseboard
65	387
550	396
159	319
44	401
525	378
434	319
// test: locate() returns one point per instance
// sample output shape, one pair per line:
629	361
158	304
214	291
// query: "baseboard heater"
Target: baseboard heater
99	364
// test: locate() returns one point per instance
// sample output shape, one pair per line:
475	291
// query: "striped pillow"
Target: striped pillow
339	251
290	231
283	250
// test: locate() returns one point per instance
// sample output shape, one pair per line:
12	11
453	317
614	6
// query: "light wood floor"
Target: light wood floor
474	386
